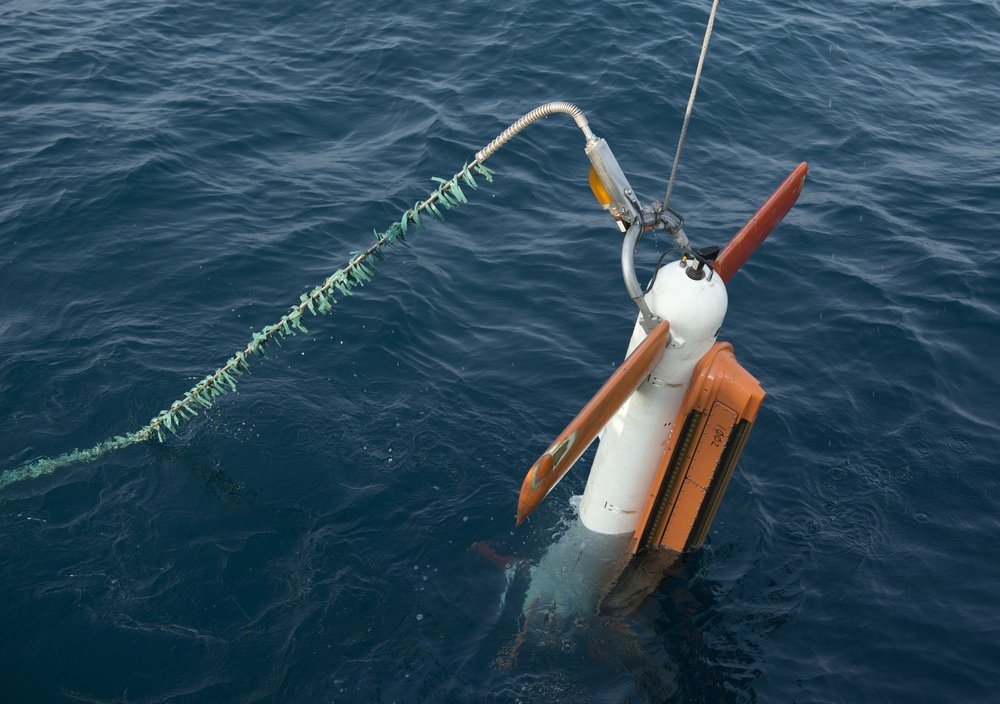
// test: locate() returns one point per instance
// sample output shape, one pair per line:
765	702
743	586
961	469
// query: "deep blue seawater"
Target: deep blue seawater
175	174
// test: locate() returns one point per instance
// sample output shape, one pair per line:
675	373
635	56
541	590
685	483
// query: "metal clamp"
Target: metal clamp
632	236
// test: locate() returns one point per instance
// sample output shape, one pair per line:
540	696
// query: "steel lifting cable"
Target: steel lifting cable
690	105
320	300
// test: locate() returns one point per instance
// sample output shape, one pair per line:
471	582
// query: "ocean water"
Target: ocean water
175	175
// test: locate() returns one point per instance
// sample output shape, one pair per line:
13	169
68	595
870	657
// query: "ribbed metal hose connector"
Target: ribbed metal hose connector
536	114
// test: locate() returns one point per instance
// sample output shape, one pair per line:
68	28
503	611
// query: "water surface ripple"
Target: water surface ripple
175	174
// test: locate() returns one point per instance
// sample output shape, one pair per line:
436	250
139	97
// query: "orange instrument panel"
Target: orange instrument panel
698	461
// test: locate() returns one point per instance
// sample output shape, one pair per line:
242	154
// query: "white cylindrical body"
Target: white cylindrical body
632	442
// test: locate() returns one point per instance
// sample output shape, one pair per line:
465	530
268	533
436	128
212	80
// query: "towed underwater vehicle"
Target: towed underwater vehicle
672	421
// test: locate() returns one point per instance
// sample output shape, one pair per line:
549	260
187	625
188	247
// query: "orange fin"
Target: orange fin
757	228
571	443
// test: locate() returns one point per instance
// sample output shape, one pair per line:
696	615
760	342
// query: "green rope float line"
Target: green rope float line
320	300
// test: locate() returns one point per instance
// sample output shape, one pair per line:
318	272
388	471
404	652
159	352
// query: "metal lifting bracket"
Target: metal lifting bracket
651	217
620	200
